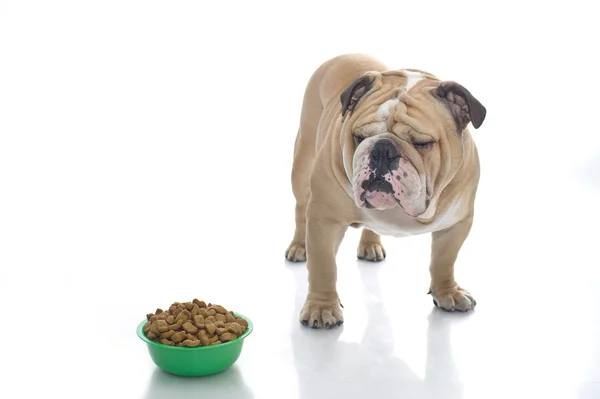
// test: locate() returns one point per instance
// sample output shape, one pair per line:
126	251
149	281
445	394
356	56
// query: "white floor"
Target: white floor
145	152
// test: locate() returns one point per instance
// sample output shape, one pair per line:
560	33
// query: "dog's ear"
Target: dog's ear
355	91
463	106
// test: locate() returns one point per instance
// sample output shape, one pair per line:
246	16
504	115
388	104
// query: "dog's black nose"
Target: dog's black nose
384	157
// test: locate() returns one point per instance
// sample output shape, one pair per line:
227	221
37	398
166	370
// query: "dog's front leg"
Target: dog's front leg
323	238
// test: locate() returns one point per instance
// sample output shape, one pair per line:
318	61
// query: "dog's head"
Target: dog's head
402	137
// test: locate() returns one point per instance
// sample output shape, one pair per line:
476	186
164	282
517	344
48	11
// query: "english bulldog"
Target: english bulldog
388	150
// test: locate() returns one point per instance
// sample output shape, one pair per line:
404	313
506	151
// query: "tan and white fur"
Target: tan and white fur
388	150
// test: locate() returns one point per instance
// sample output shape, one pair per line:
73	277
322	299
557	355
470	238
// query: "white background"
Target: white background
145	155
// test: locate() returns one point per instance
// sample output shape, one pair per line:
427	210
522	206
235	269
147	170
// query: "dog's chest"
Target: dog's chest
395	222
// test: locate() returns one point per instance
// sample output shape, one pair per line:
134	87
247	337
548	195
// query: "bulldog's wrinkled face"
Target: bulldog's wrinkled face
402	137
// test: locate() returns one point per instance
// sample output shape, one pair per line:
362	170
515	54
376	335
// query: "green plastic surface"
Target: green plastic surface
200	361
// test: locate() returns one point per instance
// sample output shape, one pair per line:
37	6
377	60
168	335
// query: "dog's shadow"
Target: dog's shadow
329	368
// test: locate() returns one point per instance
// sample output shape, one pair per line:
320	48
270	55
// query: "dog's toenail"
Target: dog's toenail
304	322
315	324
327	326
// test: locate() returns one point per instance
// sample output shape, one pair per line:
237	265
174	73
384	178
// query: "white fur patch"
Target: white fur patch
412	78
383	112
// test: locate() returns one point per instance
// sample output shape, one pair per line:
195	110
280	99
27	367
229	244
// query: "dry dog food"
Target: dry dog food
193	324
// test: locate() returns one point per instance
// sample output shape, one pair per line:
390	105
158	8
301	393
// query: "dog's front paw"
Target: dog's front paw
296	252
370	251
453	299
319	314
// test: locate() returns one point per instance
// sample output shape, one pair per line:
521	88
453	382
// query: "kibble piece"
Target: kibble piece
242	322
198	321
220	309
149	315
204	312
176	326
179	344
189	327
210	328
170	319
221	330
191	337
229	317
162	326
154	329
213	339
211	319
204	338
212	312
178	336
217	342
153	318
195	310
235	328
221	317
158	311
166	342
201	304
151	336
219	324
172	309
168	334
181	306
147	327
161	316
190	343
184	316
176	312
226	337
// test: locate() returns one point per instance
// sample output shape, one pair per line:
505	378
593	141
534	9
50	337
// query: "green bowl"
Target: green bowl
193	362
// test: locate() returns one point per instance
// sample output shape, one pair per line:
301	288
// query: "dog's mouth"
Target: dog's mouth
378	194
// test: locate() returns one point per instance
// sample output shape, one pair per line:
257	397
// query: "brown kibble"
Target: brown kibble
221	330
178	336
176	326
162	316
191	337
168	334
219	309
176	312
204	338
204	312
217	342
212	319
235	328
170	319
151	336
172	309
162	326
149	315
200	304
184	316
198	321
153	318
213	339
181	306
221	317
195	310
229	317
147	327
219	324
158	311
166	342
226	337
189	306
210	328
189	327
212	312
179	344
191	343
154	329
242	322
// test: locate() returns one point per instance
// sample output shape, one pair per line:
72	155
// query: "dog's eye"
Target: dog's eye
359	139
423	144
